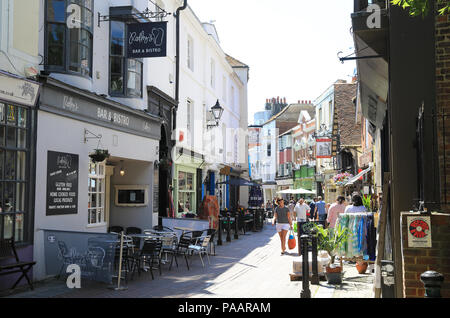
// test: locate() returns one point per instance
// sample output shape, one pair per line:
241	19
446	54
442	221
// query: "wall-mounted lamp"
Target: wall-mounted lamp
217	112
122	170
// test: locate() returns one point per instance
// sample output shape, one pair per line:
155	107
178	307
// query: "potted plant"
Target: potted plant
361	266
99	155
331	240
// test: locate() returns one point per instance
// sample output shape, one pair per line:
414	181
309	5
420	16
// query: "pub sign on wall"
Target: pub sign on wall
147	40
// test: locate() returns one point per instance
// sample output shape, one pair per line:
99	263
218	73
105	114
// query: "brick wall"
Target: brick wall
443	102
419	260
350	131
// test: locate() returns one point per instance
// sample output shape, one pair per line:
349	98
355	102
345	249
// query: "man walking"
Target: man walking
321	212
312	207
300	210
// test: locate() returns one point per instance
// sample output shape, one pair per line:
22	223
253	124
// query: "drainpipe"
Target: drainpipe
177	71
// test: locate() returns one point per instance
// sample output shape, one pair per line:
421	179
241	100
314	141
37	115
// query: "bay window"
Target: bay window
69	36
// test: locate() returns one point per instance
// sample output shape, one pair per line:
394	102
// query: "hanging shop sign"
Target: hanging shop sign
62	183
419	231
147	39
323	148
19	91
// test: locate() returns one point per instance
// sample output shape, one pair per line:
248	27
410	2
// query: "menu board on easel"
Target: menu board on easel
62	183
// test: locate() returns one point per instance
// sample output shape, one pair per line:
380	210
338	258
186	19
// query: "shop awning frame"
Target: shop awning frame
359	175
296	191
239	182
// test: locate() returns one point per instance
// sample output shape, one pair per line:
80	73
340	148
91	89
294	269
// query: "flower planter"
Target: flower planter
334	275
99	155
361	267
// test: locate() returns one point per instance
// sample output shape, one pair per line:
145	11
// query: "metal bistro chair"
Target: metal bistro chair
201	247
181	249
115	229
134	230
149	254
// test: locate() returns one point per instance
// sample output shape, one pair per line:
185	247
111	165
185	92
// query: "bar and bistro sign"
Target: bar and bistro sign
147	39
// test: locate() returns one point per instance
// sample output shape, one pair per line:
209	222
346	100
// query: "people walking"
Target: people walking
335	209
282	219
321	212
356	206
312	207
301	210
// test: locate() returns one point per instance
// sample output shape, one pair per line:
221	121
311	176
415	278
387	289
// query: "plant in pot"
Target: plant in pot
331	240
99	155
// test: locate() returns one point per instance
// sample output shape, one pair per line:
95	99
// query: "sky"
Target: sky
291	46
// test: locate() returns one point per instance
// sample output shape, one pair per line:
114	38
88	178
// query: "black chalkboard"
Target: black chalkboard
62	183
147	40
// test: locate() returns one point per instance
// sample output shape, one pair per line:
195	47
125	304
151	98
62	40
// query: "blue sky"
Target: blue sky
291	46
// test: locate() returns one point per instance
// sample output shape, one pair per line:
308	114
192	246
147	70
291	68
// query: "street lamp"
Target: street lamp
217	112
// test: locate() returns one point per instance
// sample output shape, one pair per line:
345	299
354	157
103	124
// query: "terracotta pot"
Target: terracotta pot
336	269
361	267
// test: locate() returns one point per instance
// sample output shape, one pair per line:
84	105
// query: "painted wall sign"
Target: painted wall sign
419	231
19	91
147	40
62	183
323	148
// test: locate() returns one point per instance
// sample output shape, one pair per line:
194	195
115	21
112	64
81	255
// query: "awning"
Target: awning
296	191
239	182
359	175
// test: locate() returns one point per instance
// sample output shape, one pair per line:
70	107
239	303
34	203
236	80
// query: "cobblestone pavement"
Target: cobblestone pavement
249	267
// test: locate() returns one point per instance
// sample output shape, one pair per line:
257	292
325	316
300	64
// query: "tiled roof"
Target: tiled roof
234	62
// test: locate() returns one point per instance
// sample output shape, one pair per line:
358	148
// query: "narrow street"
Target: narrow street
249	267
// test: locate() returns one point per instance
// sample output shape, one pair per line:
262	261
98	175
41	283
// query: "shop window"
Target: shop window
125	74
96	193
14	183
186	192
69	36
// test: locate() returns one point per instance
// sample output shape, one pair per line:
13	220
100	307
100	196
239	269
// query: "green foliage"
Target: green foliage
331	240
367	200
422	7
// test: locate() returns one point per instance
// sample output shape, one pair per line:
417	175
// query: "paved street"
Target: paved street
250	267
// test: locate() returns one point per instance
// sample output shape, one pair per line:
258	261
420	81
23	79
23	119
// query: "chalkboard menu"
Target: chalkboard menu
62	183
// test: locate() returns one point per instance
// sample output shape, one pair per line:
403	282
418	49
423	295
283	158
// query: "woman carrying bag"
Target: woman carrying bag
282	218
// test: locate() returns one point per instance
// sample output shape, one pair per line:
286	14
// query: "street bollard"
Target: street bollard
228	228
315	270
432	282
219	232
306	293
236	225
254	221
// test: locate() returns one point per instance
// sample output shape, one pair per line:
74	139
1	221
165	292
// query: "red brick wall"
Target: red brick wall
350	130
443	101
419	260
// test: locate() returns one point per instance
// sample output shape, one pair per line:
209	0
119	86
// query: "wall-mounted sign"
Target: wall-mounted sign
323	148
419	231
147	39
19	91
62	183
110	116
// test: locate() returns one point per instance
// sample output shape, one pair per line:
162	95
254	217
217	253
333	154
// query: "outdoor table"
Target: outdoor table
184	229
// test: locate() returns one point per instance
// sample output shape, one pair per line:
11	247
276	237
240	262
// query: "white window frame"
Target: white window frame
213	74
190	53
100	177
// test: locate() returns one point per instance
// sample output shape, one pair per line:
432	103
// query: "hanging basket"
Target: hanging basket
165	164
99	155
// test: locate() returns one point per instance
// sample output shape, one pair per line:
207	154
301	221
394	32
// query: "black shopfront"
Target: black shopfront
18	98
